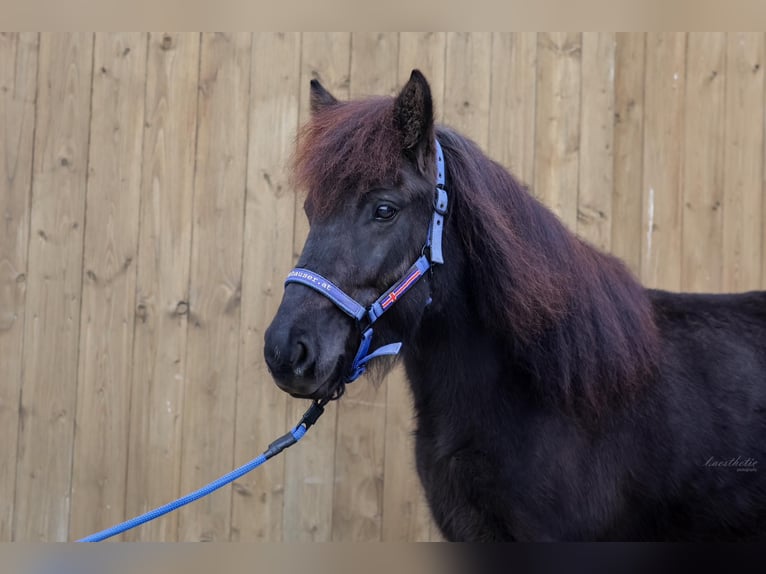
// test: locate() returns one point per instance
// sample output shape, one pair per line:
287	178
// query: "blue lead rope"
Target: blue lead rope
309	418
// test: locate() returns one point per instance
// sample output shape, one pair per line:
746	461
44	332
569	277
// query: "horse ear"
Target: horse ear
414	113
320	98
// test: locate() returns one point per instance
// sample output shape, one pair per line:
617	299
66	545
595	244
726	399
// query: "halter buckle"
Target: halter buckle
441	200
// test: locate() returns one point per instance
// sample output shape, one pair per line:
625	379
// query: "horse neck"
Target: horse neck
551	320
453	360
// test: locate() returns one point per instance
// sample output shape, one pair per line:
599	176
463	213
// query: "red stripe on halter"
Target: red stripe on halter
392	297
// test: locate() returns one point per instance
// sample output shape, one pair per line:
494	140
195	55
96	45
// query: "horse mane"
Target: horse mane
580	323
352	145
575	318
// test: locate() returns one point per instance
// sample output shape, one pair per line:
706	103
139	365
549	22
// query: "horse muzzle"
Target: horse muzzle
304	347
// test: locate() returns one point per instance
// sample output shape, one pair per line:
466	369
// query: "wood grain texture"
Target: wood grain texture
186	242
406	517
261	405
557	131
703	178
596	184
162	288
513	102
309	477
664	118
466	99
630	60
743	168
52	322
325	56
18	90
425	51
215	285
360	443
109	283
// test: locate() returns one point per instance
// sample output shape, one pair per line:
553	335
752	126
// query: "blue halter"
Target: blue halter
432	254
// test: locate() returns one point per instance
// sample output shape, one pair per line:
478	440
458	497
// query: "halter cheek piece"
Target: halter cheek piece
431	254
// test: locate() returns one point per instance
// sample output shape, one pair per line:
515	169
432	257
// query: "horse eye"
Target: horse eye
385	212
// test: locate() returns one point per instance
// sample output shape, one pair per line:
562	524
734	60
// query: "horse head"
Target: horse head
369	169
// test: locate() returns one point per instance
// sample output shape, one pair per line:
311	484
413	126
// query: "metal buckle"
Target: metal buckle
441	195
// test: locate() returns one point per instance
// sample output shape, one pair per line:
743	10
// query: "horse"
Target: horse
555	397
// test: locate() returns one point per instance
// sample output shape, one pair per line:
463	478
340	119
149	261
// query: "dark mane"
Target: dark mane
581	324
351	145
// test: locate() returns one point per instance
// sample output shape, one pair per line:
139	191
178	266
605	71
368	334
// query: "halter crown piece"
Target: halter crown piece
431	254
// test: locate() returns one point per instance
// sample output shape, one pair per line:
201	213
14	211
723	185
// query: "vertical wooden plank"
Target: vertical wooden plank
109	283
512	104
309	477
466	101
18	90
557	130
270	206
743	171
406	517
51	328
594	197
215	286
360	445
405	513
162	289
704	136
628	148
425	51
664	115
325	56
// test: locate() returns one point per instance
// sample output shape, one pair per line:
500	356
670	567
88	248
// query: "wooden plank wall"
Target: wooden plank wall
148	222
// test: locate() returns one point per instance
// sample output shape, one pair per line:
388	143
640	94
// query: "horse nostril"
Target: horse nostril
299	353
301	359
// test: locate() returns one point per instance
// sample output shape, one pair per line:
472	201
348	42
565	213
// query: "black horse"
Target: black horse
556	398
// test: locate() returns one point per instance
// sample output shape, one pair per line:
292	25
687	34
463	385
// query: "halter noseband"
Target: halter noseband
431	254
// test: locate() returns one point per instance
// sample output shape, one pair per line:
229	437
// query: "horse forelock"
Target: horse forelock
346	149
